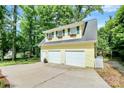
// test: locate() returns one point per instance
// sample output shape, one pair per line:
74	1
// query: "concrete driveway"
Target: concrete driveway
41	75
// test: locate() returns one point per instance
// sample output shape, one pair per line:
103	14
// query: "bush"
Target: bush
122	54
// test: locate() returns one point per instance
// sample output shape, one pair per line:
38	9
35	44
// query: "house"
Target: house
72	44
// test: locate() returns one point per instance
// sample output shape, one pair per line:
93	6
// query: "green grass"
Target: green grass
19	61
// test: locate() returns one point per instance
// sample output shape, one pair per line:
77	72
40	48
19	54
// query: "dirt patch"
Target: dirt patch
4	83
111	75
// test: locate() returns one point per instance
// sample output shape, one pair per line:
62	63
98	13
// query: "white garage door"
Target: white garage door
75	58
54	57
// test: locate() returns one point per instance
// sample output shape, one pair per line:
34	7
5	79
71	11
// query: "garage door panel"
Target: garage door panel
75	58
54	57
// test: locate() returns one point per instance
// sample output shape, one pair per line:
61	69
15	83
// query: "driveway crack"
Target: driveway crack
48	79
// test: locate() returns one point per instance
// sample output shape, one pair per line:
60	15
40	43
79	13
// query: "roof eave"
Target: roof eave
93	41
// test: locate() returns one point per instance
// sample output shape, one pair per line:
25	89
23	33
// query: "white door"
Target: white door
43	55
54	57
75	58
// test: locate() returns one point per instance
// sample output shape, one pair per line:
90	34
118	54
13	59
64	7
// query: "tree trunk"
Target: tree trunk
24	53
1	45
14	33
34	47
30	39
1	33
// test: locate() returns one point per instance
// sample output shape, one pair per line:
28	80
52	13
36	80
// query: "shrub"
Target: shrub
122	54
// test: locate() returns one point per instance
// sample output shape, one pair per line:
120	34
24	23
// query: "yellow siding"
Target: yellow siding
90	58
88	47
66	37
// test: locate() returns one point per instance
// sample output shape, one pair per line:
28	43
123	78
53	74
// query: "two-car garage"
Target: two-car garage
68	57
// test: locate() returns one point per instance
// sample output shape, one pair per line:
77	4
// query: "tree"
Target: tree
2	13
118	32
113	34
28	26
102	43
82	11
14	32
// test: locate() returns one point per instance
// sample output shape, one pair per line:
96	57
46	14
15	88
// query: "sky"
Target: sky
109	10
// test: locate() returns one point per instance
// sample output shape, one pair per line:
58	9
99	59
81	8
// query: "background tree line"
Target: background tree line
111	36
21	27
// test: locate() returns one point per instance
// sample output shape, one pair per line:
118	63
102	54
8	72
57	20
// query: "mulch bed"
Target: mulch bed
111	75
3	78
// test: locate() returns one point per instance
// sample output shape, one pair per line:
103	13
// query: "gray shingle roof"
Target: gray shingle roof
89	35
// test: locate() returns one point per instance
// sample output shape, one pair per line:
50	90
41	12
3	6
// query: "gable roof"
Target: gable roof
89	35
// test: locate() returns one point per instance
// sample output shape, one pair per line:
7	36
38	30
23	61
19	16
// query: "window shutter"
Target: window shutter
56	33
52	34
77	29
68	31
63	32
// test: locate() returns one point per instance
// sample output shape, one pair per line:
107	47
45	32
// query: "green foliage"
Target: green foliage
19	61
2	13
112	35
82	11
102	43
21	27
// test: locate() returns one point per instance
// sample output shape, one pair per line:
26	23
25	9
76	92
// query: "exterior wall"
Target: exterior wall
66	37
88	47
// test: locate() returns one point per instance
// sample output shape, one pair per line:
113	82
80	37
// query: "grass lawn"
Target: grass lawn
19	61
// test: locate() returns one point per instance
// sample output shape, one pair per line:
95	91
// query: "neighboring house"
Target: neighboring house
72	44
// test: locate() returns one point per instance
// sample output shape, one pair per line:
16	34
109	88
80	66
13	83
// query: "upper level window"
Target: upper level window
60	34
73	31
50	35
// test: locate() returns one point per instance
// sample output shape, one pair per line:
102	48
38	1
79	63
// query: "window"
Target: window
74	31
50	35
59	34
